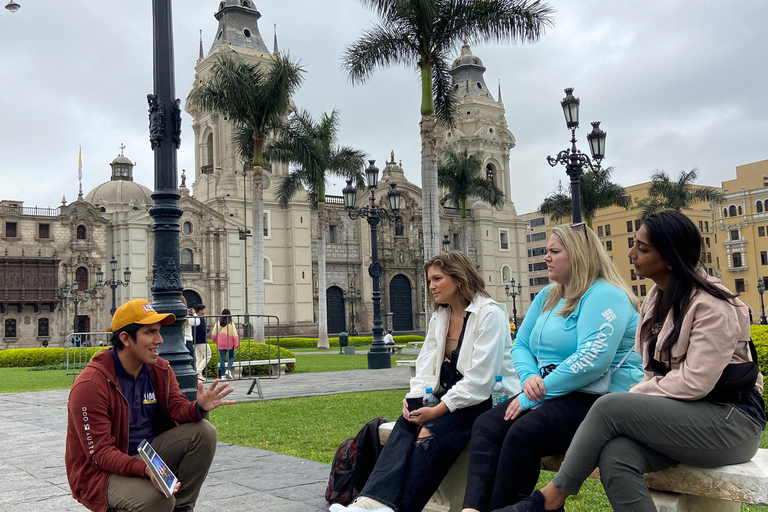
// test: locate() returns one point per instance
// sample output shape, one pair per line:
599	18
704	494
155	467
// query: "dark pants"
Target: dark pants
505	456
628	434
408	470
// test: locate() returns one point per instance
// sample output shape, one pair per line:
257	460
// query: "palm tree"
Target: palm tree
256	98
665	194
311	146
596	191
461	176
423	34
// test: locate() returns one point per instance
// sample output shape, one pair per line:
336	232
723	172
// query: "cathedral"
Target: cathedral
54	262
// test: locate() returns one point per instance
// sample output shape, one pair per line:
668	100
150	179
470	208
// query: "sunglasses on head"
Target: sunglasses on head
583	228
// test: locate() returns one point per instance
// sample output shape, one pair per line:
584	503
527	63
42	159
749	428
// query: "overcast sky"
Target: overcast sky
676	85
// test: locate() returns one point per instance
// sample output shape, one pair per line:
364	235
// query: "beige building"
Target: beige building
740	242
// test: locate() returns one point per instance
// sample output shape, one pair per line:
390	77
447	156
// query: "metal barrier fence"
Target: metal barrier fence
80	349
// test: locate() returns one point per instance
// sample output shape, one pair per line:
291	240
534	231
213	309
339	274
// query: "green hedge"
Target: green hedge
334	342
249	351
760	339
49	356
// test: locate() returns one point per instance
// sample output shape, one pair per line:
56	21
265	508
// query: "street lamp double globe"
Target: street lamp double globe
378	357
113	283
514	295
573	159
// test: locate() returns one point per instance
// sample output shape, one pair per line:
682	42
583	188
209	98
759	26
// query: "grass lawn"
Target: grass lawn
334	362
19	380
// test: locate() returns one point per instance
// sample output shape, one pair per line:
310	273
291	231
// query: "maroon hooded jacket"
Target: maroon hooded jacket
97	426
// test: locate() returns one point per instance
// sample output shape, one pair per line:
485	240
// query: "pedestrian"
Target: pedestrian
124	395
389	341
190	322
226	339
693	335
202	349
466	346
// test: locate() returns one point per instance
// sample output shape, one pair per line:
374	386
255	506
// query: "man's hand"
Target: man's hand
211	398
534	388
148	474
513	409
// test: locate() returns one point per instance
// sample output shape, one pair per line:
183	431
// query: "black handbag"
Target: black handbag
737	381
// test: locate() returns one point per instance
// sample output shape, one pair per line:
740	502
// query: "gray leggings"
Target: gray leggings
628	434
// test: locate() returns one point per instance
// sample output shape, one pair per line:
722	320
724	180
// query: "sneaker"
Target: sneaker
532	503
229	375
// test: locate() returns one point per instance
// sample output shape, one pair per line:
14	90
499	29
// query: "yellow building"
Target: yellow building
741	245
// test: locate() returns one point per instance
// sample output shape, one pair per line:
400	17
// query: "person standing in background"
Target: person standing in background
202	349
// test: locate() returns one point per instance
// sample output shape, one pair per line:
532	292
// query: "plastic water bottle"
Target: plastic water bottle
499	392
430	400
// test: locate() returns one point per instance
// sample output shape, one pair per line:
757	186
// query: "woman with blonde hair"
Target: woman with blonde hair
225	336
575	343
467	344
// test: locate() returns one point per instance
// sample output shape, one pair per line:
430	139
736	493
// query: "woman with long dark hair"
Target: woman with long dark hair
225	336
690	407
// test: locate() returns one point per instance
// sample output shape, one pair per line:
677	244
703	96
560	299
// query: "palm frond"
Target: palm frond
557	206
379	47
288	187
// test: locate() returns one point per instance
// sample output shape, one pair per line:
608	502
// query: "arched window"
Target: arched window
765	205
81	232
759	207
208	156
187	228
489	172
187	257
506	274
81	278
740	211
732	211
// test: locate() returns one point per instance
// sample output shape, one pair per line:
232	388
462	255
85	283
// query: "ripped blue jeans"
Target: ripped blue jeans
409	470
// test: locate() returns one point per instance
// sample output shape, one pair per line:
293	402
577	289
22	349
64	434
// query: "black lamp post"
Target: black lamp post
353	296
514	295
165	138
446	243
761	290
573	159
113	283
71	293
378	357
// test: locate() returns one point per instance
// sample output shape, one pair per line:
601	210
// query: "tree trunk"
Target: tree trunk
258	252
429	189
322	305
465	236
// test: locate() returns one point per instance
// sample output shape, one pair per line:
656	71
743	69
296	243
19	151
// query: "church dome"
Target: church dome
120	189
467	72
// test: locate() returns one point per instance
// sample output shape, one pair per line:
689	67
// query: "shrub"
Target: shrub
249	351
49	356
760	339
334	342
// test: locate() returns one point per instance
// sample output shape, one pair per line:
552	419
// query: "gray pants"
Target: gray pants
188	449
628	434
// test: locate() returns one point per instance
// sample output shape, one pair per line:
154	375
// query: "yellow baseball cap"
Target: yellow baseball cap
139	311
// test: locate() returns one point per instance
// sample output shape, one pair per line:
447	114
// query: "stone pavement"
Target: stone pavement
33	428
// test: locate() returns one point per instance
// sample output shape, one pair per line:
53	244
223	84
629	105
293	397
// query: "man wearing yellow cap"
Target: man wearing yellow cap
124	395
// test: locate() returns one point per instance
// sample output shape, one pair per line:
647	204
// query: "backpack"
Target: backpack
353	463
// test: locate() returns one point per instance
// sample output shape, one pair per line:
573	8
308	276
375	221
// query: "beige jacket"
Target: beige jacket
714	333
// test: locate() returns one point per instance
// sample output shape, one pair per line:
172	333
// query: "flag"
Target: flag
80	165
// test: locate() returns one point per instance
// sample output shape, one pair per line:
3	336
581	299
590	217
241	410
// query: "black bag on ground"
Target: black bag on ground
353	463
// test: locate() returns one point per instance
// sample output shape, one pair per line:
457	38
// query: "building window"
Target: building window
43	327
706	226
607	230
761	231
10	328
81	278
629	226
725	212
739	285
734	234
187	257
732	211
763	258
538	281
632	274
536	237
759	206
535	267
608	245
638	223
489	172
537	251
630	242
736	259
706	241
533	296
709	258
187	228
81	232
10	230
538	221
599	230
43	231
504	239
740	210
456	240
634	290
642	290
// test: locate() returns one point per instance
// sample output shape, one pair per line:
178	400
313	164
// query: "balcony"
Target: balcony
206	169
190	267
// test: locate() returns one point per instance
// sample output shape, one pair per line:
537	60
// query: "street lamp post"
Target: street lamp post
71	293
353	296
378	357
513	294
761	290
573	159
165	139
113	283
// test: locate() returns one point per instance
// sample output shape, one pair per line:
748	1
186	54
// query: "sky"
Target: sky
676	85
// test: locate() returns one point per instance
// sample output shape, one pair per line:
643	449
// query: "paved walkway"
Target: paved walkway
33	428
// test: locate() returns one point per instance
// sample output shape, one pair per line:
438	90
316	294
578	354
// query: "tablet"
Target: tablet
160	470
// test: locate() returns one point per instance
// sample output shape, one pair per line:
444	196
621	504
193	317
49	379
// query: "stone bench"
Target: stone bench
678	489
395	349
410	363
416	344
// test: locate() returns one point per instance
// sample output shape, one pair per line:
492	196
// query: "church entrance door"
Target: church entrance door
334	298
400	303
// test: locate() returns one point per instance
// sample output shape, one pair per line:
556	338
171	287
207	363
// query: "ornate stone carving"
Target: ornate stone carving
177	123
167	277
156	120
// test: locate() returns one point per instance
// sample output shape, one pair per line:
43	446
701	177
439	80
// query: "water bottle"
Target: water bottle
499	392
430	400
